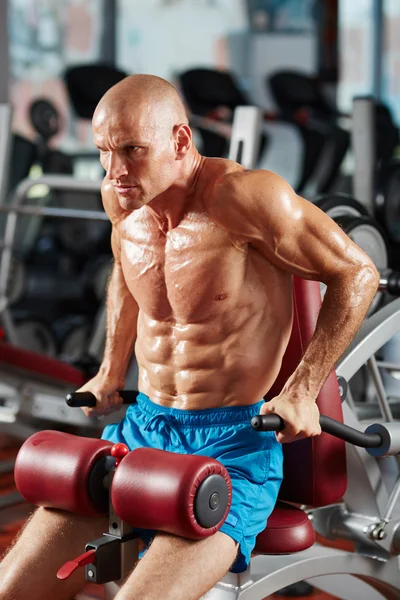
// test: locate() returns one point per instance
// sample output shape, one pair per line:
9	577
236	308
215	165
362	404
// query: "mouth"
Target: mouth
124	189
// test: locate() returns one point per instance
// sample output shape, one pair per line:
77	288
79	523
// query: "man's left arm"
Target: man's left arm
297	237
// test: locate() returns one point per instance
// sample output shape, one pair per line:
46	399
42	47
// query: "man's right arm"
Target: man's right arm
122	315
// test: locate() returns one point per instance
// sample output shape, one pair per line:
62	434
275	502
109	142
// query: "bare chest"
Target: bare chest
190	274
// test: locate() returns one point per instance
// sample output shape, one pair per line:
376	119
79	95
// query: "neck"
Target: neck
169	207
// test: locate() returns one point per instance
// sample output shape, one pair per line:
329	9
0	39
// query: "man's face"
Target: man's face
138	155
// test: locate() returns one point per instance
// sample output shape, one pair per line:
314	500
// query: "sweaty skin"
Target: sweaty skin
214	316
204	257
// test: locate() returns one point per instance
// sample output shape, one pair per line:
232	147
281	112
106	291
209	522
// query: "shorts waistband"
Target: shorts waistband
203	417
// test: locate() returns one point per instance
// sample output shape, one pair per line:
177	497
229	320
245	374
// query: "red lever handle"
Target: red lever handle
71	566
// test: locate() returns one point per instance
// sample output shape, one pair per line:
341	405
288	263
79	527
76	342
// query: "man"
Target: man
201	287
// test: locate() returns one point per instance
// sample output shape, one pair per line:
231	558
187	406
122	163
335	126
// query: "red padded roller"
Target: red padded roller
52	469
187	495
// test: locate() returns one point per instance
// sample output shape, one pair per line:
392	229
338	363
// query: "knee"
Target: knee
11	581
11	594
7	590
4	577
129	594
120	596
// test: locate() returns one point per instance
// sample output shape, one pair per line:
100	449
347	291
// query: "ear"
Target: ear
182	140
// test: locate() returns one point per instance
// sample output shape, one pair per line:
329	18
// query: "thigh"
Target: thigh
255	466
49	539
176	568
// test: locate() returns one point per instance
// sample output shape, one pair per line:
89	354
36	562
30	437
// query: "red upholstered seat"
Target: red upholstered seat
12	357
289	530
314	468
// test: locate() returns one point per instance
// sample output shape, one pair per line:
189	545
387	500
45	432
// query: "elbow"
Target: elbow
362	277
358	281
366	280
371	275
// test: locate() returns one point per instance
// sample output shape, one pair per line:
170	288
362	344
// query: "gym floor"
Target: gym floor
13	518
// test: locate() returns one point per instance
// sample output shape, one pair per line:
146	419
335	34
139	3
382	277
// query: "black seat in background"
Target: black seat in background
294	92
86	84
206	90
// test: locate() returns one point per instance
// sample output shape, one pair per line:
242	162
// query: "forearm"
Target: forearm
345	305
122	314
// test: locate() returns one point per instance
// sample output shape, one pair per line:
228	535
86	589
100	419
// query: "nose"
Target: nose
116	168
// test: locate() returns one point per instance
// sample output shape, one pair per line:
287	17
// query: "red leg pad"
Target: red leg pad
187	495
52	469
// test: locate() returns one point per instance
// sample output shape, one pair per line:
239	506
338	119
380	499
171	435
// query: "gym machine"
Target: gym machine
348	494
301	102
376	172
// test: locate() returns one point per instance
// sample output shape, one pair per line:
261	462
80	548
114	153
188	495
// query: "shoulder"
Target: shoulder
241	198
237	183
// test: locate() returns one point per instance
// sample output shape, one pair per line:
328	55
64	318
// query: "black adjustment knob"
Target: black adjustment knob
214	501
343	387
393	283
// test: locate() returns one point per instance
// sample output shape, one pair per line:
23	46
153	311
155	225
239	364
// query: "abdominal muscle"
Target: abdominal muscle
230	359
214	317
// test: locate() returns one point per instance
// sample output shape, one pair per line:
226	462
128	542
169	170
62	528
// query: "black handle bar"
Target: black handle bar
390	282
259	423
88	399
328	425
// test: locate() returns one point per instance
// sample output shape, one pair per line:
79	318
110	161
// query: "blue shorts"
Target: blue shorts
253	459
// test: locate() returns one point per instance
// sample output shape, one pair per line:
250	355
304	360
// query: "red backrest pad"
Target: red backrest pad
314	468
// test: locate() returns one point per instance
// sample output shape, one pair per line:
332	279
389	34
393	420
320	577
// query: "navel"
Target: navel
221	297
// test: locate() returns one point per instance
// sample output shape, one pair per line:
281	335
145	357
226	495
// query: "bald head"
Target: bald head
141	129
146	97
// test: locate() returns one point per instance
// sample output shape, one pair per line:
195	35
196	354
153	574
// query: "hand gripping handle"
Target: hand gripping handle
328	425
88	399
